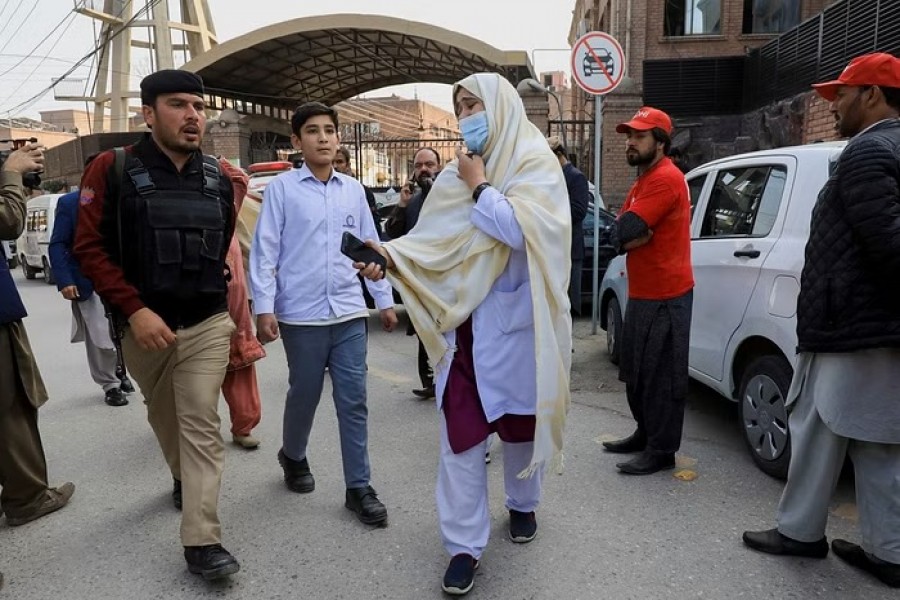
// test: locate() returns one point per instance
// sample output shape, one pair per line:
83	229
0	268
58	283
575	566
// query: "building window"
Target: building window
692	17
770	16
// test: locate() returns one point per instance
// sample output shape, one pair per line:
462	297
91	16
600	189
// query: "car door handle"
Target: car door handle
747	253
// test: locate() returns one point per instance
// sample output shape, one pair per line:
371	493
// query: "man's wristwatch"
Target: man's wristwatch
478	189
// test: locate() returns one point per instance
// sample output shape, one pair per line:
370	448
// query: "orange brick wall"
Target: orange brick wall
617	174
819	122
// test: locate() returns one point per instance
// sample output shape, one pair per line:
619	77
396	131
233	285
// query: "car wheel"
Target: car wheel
47	272
763	415
613	330
28	271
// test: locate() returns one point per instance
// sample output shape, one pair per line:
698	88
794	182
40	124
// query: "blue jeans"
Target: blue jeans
342	348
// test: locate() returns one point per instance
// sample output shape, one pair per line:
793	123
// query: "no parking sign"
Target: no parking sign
598	67
598	63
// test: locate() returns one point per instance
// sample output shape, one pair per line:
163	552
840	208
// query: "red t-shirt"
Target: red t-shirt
661	268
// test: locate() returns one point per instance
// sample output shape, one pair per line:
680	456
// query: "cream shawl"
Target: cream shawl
445	267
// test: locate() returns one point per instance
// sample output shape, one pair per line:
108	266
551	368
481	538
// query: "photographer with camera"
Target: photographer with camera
426	167
25	495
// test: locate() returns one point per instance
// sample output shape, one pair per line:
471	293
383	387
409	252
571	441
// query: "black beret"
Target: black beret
170	81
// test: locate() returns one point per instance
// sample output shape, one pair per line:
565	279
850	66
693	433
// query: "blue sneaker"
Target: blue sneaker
522	526
460	575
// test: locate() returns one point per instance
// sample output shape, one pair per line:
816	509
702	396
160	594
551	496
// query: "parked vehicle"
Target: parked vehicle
605	250
750	223
34	242
262	173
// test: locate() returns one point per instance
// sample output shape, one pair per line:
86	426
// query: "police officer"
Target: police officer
25	495
153	230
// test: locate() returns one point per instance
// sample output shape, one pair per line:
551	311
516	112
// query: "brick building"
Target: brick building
663	39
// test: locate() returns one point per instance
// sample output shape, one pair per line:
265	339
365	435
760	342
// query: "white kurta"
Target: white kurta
503	324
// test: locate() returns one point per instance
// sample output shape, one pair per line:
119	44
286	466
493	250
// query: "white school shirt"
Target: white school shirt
297	270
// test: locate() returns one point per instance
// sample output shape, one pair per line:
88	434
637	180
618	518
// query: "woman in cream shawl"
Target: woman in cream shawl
484	281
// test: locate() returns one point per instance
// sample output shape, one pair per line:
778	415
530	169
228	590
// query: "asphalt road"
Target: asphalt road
601	534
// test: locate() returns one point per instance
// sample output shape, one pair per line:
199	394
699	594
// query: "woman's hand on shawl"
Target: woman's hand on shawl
471	169
371	270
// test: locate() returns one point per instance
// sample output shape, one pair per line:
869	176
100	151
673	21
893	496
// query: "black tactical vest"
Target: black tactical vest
180	235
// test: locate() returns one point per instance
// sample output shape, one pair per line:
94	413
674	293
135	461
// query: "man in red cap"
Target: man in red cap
844	393
653	228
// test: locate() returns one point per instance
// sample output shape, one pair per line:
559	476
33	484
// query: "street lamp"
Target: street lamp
529	84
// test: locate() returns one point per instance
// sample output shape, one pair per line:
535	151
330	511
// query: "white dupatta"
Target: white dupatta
445	267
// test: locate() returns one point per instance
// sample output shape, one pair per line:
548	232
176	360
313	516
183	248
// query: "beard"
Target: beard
636	159
176	144
425	181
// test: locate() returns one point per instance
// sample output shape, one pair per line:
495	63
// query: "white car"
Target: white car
750	221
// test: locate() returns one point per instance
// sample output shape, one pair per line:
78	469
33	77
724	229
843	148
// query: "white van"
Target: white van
34	243
751	215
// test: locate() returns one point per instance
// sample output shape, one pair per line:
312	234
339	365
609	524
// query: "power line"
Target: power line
70	15
25	104
58	39
3	10
10	20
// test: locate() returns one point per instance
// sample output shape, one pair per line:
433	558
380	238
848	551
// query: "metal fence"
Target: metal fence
387	163
816	50
819	48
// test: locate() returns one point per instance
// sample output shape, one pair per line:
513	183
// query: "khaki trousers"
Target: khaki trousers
23	469
181	390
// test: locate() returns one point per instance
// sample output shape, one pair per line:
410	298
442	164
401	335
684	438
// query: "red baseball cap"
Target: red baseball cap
645	119
869	69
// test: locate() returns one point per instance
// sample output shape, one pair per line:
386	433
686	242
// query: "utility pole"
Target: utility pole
147	25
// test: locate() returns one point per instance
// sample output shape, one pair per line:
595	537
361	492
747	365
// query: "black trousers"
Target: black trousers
654	367
426	375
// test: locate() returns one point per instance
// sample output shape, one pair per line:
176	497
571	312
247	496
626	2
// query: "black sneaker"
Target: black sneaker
213	561
126	386
460	575
297	475
368	508
176	493
115	397
522	526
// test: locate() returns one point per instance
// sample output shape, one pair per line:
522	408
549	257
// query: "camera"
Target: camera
31	180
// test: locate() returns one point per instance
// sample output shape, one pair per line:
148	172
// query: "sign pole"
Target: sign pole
598	202
598	66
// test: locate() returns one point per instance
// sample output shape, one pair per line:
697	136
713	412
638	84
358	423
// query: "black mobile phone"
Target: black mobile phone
355	248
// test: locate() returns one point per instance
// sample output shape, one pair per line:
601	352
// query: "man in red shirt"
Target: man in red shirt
653	228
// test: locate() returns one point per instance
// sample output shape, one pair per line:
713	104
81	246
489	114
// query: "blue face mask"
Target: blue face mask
474	129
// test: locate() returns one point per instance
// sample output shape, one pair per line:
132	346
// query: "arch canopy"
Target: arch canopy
331	58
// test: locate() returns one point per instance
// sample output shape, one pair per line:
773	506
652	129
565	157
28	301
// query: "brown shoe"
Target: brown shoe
54	499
